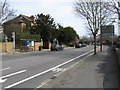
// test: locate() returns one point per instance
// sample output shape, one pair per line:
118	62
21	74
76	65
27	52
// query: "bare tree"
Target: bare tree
5	11
114	6
95	13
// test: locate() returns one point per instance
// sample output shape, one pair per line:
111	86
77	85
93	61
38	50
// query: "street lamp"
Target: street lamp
100	29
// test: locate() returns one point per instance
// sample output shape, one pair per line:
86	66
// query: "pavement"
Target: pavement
118	52
94	71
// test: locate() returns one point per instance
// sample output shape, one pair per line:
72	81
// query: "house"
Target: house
18	24
1	29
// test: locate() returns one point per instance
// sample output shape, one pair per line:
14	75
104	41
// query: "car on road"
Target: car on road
98	44
78	45
84	44
56	47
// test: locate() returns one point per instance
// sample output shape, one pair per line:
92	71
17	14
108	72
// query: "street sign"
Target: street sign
32	43
107	30
28	43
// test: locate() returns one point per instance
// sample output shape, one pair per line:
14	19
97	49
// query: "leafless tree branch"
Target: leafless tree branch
5	11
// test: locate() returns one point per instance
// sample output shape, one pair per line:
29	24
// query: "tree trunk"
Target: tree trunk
94	44
100	40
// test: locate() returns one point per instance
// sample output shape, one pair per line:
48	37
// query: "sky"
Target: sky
61	10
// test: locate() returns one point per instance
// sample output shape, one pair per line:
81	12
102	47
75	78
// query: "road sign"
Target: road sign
28	43
107	30
32	43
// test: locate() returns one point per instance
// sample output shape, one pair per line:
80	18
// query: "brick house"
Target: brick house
18	24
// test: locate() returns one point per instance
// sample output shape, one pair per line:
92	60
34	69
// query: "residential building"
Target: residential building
1	29
18	24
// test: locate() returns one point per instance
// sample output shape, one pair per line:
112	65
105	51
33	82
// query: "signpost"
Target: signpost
32	43
13	36
107	31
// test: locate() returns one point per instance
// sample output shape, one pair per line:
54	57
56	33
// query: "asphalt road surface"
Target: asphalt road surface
28	71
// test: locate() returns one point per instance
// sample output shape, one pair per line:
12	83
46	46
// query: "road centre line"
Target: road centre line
9	75
24	80
4	69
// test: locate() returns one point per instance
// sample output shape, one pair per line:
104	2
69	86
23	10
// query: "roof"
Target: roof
26	17
19	20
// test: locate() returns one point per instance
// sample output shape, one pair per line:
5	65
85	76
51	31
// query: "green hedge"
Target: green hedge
27	35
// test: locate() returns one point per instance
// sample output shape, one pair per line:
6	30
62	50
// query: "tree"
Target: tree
5	11
84	39
66	34
95	13
114	7
45	26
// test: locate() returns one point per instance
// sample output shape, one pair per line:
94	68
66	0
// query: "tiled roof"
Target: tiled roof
26	17
19	20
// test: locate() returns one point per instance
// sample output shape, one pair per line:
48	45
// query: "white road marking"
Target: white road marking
24	80
2	80
4	69
48	80
12	74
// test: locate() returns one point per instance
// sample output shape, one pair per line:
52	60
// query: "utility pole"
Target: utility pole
100	29
1	80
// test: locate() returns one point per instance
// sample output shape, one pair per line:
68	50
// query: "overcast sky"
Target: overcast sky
61	10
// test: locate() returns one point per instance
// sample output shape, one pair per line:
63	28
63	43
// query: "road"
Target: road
28	71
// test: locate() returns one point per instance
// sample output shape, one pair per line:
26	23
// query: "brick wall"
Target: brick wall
8	47
37	44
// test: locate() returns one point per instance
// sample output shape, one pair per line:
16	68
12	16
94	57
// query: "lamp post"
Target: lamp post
100	29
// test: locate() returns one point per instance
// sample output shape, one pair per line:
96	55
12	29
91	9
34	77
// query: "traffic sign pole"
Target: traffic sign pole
13	36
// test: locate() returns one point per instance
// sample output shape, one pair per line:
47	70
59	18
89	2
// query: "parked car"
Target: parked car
78	45
56	47
84	45
98	44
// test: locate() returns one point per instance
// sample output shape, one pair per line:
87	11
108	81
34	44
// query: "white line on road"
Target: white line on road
24	80
4	69
12	74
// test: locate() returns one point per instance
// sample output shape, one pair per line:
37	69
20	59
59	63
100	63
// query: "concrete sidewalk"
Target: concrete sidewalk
95	71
